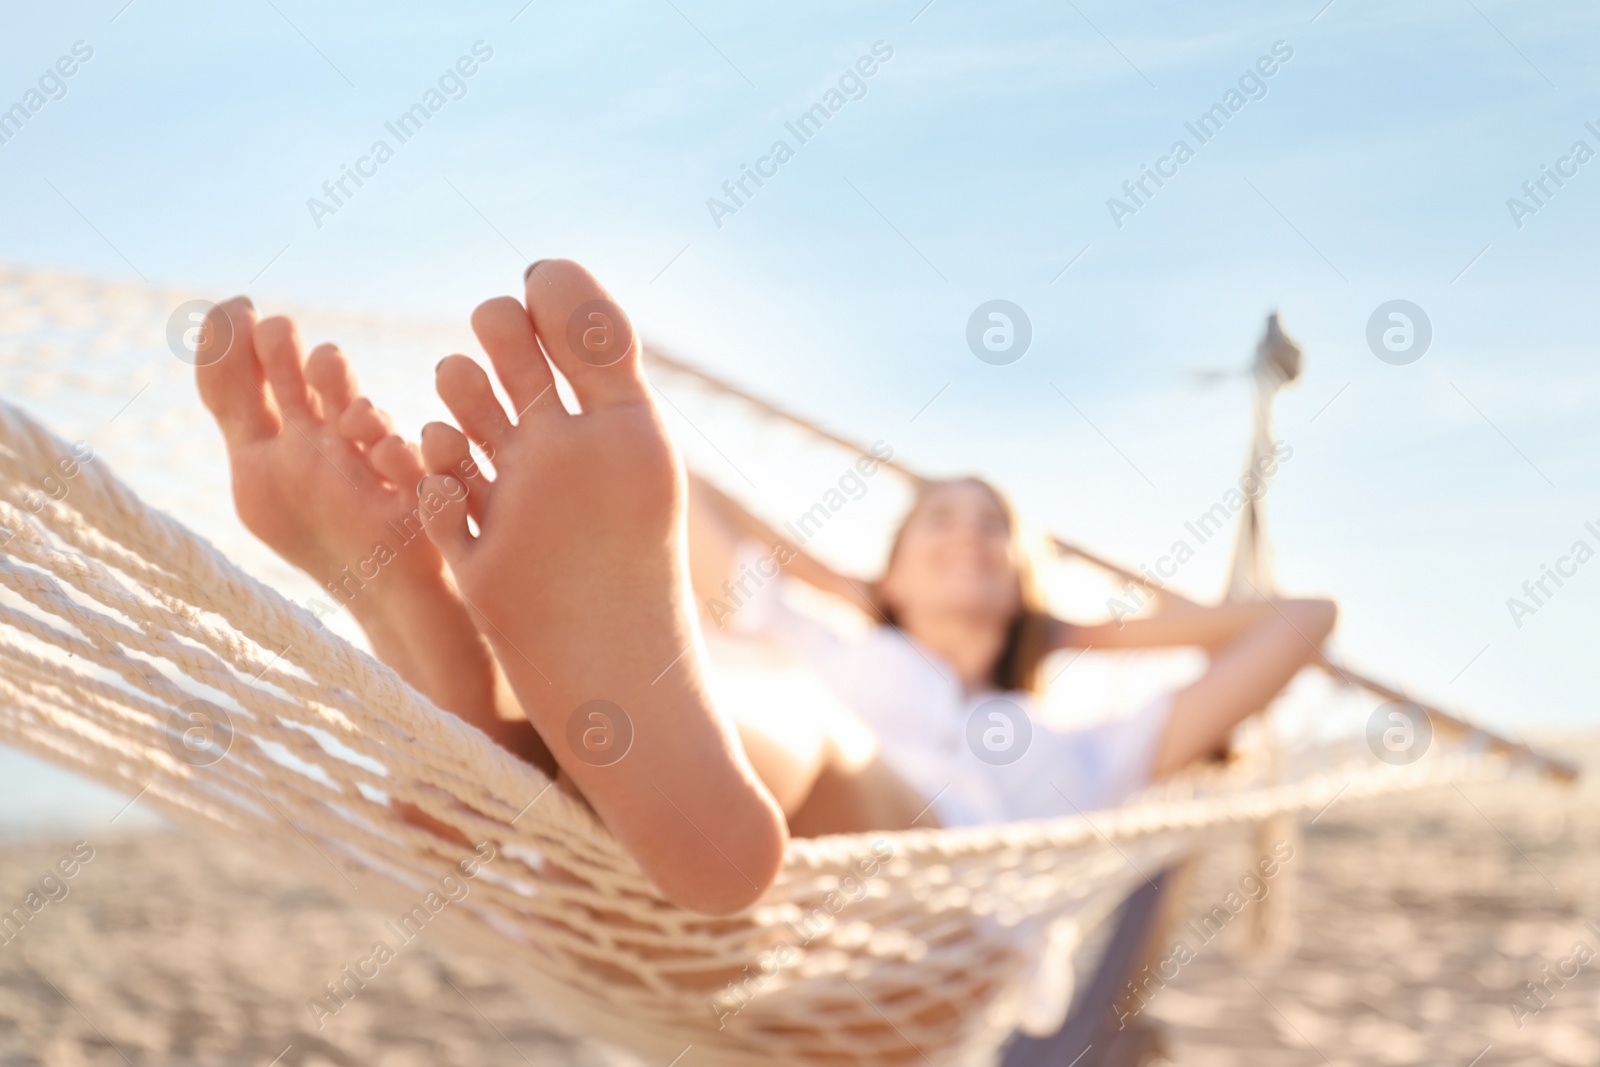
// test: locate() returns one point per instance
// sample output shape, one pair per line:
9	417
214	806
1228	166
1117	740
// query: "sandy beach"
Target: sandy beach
1419	919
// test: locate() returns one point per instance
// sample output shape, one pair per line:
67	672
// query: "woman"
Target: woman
547	604
946	681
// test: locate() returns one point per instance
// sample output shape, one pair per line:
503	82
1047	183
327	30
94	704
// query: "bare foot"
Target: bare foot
317	472
320	477
578	573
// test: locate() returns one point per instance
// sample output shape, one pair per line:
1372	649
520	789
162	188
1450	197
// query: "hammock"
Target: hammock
134	652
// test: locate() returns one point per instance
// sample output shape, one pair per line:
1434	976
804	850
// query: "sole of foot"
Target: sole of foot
572	559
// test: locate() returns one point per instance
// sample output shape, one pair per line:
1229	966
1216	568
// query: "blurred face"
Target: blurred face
957	553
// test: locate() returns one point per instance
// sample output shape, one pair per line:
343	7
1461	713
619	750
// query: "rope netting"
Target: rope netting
135	652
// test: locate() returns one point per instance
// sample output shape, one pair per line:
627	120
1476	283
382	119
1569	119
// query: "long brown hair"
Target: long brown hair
1029	631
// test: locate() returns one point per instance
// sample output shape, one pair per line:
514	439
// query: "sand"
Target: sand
1419	919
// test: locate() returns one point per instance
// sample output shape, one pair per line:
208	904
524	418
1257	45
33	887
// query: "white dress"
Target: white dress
979	758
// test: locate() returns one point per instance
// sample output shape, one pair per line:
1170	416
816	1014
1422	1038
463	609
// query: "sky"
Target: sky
977	162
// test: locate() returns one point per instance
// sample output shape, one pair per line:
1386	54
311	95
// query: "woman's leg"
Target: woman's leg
1243	678
577	569
847	799
820	762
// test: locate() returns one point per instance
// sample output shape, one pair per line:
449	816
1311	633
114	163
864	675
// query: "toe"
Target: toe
588	336
506	333
278	345
442	501
445	450
229	375
465	390
335	383
398	461
364	424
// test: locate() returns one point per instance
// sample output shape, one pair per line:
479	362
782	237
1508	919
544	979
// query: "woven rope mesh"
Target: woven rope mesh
134	651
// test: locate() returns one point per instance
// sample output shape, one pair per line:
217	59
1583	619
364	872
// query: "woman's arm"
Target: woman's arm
718	522
1246	673
1209	628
